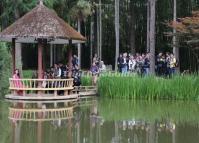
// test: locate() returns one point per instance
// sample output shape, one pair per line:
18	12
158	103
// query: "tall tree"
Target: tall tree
148	26
187	28
117	31
152	35
175	48
132	27
80	12
100	29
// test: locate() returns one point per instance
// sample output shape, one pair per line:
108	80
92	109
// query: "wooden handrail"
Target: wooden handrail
85	88
41	84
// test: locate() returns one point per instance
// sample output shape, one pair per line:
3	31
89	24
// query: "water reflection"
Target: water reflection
102	121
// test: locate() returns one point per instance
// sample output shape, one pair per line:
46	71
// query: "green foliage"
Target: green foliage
81	10
86	80
5	68
28	74
149	88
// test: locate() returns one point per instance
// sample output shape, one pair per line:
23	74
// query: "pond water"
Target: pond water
100	121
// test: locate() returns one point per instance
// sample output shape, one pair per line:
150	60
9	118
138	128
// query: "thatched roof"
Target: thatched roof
44	23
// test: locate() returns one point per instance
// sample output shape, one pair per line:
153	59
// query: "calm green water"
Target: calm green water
106	121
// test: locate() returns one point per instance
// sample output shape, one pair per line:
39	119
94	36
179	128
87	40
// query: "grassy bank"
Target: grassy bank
149	88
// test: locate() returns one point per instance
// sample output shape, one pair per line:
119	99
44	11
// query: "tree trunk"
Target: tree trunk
132	32
91	41
175	48
148	27
117	31
100	30
152	36
95	32
79	45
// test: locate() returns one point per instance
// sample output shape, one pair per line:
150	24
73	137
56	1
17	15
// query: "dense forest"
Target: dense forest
110	26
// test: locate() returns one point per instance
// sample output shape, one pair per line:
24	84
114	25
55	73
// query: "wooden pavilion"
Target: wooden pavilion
41	26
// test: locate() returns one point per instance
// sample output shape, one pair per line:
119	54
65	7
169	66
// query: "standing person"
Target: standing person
102	67
142	62
124	63
146	64
160	64
139	64
75	61
57	71
63	70
94	71
168	59
172	64
119	63
96	60
132	64
164	65
17	81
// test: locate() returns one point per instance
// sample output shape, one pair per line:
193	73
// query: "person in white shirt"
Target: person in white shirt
132	64
57	71
102	67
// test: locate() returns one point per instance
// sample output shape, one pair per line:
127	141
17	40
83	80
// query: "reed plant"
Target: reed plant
149	87
86	80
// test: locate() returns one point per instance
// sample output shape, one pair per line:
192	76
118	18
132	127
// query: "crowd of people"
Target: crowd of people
127	63
61	71
96	68
140	64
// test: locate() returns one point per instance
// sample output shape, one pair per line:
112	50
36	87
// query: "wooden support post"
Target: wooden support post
70	59
40	61
65	92
13	56
55	93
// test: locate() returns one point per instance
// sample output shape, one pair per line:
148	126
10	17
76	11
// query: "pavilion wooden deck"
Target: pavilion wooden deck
47	89
36	97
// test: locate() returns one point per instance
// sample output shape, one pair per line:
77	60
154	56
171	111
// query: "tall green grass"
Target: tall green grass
149	87
86	80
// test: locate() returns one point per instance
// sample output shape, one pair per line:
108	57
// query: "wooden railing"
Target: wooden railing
41	84
85	90
40	114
